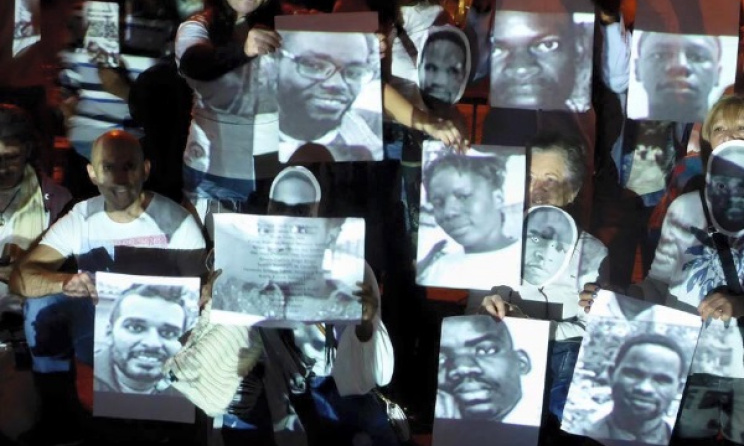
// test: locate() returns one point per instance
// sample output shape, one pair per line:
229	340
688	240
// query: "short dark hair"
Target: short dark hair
168	293
490	168
644	35
17	127
369	40
572	150
653	339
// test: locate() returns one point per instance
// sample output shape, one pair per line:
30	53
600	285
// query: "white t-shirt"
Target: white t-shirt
234	116
478	271
86	232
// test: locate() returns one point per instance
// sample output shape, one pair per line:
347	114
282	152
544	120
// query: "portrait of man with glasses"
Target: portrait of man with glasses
321	78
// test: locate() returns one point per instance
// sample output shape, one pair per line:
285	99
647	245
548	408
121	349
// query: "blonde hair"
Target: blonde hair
729	108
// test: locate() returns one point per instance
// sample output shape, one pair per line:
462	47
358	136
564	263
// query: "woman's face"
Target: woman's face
467	208
244	7
725	127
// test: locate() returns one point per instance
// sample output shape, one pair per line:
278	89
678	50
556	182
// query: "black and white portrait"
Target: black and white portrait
541	60
491	375
139	321
329	96
550	237
631	370
279	268
470	224
26	27
443	65
676	77
724	188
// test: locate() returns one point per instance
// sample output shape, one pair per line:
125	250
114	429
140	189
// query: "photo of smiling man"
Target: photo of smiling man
491	374
139	321
143	331
329	94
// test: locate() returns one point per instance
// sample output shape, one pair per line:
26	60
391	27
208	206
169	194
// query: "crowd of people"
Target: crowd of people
160	147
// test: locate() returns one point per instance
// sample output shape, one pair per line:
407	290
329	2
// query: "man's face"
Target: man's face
12	164
119	173
678	72
320	102
645	382
442	71
144	335
545	247
726	191
292	251
533	60
480	369
549	183
467	208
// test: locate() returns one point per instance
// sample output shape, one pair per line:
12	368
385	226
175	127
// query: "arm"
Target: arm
616	55
402	111
116	81
363	365
198	58
37	274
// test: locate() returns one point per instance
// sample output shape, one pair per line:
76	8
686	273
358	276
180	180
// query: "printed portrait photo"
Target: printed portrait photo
443	66
541	61
550	237
491	379
287	269
724	188
676	77
631	370
139	321
470	224
329	96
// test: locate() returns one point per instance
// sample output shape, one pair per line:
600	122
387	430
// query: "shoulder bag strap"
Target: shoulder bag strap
720	242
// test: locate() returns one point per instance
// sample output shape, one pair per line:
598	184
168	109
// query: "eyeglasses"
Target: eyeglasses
320	69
